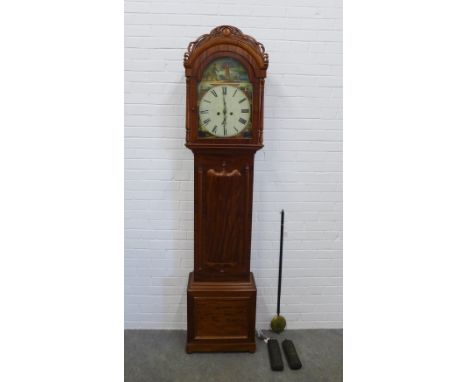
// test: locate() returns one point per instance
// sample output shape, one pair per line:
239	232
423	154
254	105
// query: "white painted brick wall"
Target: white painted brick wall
299	169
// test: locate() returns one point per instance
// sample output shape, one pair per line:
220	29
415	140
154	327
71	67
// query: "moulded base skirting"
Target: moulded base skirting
195	347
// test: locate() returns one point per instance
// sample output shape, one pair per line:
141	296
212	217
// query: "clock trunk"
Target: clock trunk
223	215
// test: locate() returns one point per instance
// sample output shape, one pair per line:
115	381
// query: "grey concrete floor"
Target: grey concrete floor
159	356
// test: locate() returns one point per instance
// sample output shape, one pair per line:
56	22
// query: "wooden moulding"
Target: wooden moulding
221	316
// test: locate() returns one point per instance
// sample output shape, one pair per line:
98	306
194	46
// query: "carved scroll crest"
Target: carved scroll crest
221	33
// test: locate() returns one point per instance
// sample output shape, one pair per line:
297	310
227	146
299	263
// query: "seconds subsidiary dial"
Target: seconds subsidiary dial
224	111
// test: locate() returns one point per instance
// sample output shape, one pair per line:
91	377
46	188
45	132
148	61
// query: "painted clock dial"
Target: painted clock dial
224	111
225	100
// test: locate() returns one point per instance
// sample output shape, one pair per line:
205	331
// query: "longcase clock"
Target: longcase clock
225	72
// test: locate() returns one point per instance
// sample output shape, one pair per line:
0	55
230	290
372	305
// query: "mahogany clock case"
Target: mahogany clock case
221	293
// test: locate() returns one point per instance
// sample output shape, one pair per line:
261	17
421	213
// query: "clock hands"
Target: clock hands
224	113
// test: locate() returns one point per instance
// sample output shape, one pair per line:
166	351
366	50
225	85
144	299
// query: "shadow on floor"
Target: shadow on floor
159	356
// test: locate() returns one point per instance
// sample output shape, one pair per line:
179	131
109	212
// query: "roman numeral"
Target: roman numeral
206	121
203	111
205	100
244	110
235	128
214	128
224	90
242	100
234	93
242	120
214	92
225	131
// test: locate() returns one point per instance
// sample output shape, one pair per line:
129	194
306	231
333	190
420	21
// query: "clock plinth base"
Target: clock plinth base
221	315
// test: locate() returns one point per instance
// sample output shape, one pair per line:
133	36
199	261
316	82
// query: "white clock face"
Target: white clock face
224	111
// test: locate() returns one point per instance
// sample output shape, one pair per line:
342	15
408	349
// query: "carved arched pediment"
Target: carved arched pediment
226	35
